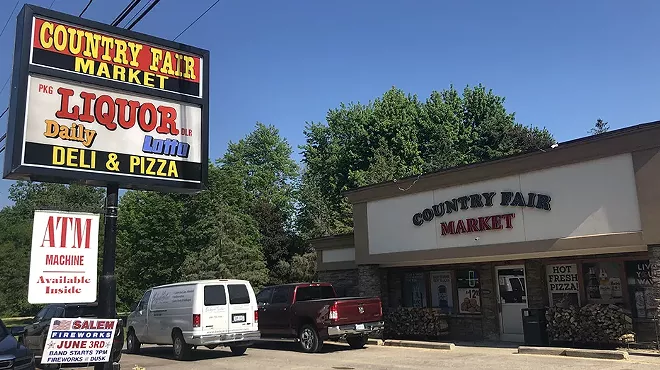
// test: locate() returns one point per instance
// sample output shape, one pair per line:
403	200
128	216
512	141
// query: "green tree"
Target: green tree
150	246
261	162
398	135
599	127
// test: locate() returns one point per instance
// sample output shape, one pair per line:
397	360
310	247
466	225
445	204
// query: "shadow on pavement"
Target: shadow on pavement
199	354
328	347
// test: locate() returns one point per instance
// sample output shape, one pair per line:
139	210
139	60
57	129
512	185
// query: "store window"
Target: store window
603	282
640	288
414	290
563	285
442	291
469	292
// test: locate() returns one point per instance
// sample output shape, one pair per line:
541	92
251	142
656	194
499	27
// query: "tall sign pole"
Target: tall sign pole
107	107
107	302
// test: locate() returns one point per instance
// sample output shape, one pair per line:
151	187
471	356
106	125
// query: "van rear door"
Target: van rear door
215	313
242	307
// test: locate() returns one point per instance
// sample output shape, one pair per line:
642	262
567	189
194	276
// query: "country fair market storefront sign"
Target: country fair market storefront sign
481	201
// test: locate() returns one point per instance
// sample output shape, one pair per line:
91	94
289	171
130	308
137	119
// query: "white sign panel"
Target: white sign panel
79	341
441	290
88	129
563	285
64	257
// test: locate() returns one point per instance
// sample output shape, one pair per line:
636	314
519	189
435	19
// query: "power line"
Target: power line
9	18
124	13
51	4
138	12
143	14
86	6
195	21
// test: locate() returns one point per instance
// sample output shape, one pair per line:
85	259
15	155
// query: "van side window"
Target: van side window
214	295
238	294
281	295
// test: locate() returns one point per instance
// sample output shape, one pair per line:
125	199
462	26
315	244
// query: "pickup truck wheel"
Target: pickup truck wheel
181	348
238	350
357	342
132	343
310	342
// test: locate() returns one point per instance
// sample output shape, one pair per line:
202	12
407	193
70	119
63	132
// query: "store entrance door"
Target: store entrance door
512	298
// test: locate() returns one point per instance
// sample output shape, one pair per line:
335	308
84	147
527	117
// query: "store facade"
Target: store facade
575	224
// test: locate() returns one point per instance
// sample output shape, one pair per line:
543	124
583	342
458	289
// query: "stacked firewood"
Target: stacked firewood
406	322
592	323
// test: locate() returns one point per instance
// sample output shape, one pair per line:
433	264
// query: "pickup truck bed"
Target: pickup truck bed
311	313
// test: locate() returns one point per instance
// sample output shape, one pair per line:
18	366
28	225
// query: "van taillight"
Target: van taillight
334	314
256	316
197	320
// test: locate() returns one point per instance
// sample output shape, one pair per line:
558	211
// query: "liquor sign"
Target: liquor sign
64	257
79	341
103	105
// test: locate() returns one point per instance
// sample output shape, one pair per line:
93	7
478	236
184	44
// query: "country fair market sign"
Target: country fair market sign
104	105
481	201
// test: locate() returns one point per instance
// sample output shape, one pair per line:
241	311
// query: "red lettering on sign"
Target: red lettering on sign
477	224
79	227
109	112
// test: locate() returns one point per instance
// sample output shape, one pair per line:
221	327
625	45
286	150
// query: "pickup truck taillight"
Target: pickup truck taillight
197	320
256	316
334	314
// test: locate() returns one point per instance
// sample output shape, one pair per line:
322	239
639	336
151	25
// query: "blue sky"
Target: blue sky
560	64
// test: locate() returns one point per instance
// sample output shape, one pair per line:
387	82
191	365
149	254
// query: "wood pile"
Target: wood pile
592	323
407	322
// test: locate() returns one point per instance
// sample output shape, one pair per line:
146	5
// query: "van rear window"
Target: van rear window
238	294
214	295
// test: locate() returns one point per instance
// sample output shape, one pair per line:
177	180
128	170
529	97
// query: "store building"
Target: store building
577	223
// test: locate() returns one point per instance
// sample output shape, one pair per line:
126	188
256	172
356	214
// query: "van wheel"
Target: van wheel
132	343
310	342
181	348
238	350
357	342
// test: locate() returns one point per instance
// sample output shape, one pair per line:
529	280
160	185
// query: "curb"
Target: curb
572	352
418	344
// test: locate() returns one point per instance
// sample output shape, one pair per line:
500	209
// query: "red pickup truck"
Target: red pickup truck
312	313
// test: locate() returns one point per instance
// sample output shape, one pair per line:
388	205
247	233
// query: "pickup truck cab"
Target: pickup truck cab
311	313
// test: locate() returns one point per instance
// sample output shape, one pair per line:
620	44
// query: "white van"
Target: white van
207	313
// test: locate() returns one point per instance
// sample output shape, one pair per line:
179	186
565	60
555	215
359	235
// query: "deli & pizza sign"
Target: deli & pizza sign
100	104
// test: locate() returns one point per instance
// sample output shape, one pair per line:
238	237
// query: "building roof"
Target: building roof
615	142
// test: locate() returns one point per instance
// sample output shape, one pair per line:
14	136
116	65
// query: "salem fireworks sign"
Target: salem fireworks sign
101	105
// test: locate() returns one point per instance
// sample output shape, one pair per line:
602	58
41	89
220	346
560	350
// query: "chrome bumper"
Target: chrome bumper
218	339
355	329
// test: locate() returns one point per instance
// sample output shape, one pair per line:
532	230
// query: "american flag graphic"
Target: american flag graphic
61	324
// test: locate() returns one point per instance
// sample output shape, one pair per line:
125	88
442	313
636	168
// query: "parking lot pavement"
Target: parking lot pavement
338	356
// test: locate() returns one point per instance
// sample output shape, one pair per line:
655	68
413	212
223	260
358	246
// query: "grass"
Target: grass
16	321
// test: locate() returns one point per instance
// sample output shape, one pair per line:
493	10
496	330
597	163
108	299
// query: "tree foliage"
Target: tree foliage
397	135
260	209
599	127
